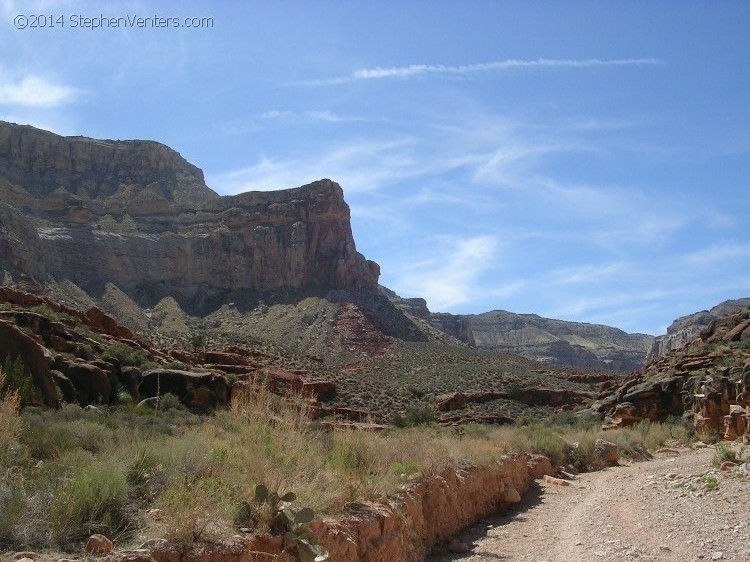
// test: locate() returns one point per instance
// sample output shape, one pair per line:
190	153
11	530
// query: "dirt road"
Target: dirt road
676	507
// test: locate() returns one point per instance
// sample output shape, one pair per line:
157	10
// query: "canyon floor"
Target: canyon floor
663	509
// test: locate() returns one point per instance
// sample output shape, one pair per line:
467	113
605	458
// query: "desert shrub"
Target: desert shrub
725	452
45	439
177	365
542	440
18	380
142	467
13	506
403	467
416	414
91	500
124	355
169	402
581	455
89	435
10	421
350	454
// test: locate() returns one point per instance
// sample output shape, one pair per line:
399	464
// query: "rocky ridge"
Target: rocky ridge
683	331
708	381
558	341
540	339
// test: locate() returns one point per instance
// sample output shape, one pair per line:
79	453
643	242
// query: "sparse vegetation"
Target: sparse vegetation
101	471
726	453
125	356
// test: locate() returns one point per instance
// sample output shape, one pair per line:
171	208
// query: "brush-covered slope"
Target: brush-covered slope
557	341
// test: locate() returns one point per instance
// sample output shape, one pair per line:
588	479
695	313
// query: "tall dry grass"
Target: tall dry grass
104	471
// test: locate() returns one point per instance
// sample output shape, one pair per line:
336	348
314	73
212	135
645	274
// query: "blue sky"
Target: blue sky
581	160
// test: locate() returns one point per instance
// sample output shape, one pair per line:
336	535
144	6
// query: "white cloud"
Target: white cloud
412	70
588	273
452	278
362	165
276	114
717	253
35	91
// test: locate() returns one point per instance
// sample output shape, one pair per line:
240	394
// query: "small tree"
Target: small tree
18	380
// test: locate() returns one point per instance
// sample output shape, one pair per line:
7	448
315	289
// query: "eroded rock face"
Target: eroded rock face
136	214
707	380
559	342
685	330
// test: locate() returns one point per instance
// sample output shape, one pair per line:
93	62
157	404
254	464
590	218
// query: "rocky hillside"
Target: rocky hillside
707	380
137	215
560	342
686	329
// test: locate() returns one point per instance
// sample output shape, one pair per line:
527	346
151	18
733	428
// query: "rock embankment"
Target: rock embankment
403	528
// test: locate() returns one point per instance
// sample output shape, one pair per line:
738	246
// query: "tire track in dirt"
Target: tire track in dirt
635	512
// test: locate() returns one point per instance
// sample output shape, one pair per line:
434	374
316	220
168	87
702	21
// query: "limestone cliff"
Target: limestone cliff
136	214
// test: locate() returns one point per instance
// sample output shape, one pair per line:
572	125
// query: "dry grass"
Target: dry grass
102	472
10	420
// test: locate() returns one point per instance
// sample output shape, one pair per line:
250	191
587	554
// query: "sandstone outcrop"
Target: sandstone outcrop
683	331
136	214
707	380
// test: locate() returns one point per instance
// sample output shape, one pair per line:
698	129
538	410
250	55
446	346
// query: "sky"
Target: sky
588	161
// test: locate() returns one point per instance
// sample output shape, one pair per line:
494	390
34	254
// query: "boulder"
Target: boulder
511	495
130	378
92	384
99	545
198	391
451	401
539	466
606	453
69	392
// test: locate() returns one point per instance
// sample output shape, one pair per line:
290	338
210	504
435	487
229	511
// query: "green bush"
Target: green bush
45	439
169	402
10	422
416	414
350	454
398	468
142	468
92	500
11	514
726	453
125	356
18	380
542	440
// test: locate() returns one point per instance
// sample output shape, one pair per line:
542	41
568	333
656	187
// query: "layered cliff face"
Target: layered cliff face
557	341
683	331
136	214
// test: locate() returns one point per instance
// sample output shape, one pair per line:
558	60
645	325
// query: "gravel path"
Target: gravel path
656	510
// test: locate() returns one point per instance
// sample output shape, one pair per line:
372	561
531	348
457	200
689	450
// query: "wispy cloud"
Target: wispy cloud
320	115
362	165
587	273
718	253
35	91
452	278
413	70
